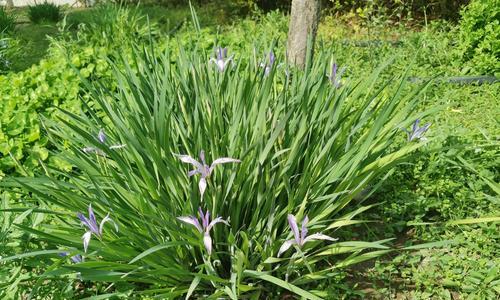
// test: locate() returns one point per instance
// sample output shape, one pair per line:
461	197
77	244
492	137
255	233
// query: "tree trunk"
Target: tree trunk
304	20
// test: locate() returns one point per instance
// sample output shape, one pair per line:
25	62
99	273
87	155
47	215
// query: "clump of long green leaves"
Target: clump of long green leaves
307	147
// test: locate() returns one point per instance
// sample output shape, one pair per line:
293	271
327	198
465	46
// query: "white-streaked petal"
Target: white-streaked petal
286	245
191	220
193	172
222	160
89	149
225	160
189	160
203	186
319	236
292	221
221	65
86	240
207	241
92	150
107	219
215	221
118	146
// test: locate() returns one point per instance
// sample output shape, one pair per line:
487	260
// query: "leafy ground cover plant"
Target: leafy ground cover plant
479	34
306	146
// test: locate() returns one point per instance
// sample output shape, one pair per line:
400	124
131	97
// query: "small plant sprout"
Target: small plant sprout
204	227
221	60
301	238
101	137
268	65
75	258
93	228
203	169
416	131
336	75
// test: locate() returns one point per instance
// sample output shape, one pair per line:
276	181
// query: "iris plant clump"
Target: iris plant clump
306	148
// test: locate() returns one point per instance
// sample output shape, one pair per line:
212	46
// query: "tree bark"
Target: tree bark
304	19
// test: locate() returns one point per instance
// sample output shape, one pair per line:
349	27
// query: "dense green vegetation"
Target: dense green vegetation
99	72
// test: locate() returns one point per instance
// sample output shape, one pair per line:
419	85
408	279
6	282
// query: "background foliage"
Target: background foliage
480	35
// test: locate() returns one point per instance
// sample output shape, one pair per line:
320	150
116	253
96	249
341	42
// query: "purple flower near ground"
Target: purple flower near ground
221	60
268	65
416	131
75	258
335	75
101	137
93	228
301	238
204	227
203	169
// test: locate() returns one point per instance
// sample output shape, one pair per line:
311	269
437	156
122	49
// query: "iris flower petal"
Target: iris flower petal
92	221
202	186
106	219
215	221
191	173
86	240
286	245
222	160
292	221
193	221
207	241
189	160
117	146
319	236
101	136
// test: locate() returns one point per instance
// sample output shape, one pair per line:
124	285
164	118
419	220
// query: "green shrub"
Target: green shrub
480	36
7	21
45	12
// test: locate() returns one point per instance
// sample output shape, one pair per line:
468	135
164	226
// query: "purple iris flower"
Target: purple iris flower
221	60
75	258
416	131
101	137
336	75
301	238
268	66
204	227
203	169
93	228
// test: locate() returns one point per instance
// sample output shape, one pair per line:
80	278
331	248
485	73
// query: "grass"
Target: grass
35	44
